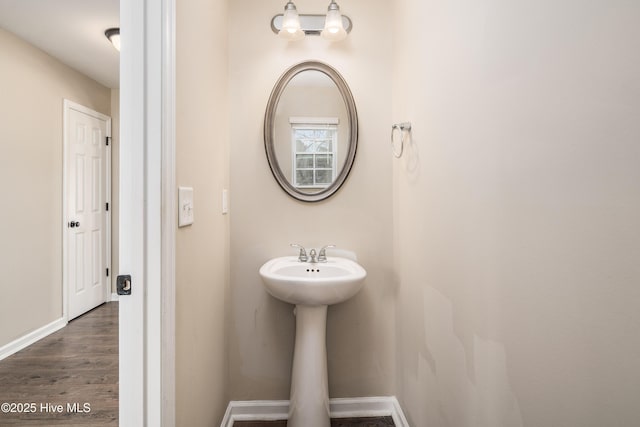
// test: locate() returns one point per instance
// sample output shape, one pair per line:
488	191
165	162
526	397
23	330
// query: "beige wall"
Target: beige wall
516	232
264	219
201	249
33	86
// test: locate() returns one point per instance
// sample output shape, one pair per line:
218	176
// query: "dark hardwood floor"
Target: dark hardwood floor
69	378
335	422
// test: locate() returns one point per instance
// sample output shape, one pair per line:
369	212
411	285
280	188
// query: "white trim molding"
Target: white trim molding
147	87
268	410
168	217
30	338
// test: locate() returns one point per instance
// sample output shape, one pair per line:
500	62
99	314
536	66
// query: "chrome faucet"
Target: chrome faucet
322	257
302	257
313	255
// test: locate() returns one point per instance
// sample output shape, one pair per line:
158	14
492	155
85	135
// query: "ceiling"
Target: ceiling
70	30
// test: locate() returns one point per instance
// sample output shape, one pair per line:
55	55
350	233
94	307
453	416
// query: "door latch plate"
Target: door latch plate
123	285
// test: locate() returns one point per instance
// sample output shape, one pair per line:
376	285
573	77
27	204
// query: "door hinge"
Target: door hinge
107	206
107	272
108	140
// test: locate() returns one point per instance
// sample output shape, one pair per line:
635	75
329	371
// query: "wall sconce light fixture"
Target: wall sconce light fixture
293	26
333	26
291	23
113	34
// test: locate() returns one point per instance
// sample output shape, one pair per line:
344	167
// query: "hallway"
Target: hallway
68	378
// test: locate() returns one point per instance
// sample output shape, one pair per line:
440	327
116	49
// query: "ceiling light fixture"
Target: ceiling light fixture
113	34
293	26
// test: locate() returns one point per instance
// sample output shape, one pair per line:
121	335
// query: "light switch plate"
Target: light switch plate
185	206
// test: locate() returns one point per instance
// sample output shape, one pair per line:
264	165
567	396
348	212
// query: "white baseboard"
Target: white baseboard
265	410
28	339
114	297
249	410
382	406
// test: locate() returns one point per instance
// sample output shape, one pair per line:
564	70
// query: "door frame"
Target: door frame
147	213
67	106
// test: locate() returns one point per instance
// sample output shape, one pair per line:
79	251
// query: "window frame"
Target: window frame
314	123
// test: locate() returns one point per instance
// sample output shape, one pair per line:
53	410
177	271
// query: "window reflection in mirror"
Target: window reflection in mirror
314	149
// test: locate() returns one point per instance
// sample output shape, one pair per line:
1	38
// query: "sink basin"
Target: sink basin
312	284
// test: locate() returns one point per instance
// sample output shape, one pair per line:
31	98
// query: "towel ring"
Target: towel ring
406	126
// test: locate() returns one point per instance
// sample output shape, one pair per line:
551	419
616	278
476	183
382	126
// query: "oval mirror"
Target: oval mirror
311	131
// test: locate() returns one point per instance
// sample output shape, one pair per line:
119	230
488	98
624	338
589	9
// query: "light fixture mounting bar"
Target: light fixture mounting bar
312	25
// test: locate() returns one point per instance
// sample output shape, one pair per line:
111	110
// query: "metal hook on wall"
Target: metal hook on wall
402	127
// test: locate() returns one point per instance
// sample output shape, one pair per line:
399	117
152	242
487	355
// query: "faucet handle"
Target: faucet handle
322	256
302	257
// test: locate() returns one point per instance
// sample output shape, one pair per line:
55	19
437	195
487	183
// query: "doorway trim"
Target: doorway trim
67	106
147	213
169	218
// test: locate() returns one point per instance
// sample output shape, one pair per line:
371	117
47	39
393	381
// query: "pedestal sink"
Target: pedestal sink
311	287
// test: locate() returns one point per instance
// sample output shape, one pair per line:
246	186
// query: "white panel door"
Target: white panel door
86	196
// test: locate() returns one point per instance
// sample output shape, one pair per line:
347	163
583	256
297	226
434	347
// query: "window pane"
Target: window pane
305	133
305	146
322	134
324	160
324	146
304	161
324	177
304	177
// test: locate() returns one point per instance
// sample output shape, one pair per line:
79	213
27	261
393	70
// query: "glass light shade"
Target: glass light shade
113	34
333	28
291	24
115	41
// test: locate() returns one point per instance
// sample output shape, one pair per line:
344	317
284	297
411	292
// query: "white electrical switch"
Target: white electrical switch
225	201
185	206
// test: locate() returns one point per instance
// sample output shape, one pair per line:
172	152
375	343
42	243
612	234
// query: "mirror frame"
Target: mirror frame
269	130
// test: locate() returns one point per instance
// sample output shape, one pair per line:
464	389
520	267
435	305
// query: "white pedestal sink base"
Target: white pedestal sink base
309	401
311	287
